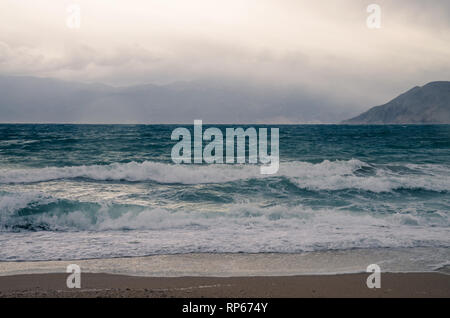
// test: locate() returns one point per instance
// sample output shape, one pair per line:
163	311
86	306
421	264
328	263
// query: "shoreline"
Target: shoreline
331	262
404	273
94	285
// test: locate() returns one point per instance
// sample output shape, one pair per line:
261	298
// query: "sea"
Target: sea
70	191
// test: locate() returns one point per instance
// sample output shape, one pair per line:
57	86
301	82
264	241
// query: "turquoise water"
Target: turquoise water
97	191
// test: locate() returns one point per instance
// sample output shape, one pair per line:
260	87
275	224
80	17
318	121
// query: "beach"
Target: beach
346	285
345	199
232	276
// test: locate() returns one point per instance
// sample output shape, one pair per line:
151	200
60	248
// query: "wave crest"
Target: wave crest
327	175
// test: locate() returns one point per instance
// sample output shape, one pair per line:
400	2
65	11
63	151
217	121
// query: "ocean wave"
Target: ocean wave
338	176
327	175
134	171
36	211
45	227
251	228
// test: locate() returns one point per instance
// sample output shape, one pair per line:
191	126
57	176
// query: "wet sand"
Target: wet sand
109	285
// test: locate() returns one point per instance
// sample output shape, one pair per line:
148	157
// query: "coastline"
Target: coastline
329	262
316	286
404	273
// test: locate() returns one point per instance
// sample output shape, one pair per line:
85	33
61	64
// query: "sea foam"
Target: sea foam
326	175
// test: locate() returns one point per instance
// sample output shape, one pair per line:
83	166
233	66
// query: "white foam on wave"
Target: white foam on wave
246	227
133	171
104	216
327	175
243	228
341	175
13	202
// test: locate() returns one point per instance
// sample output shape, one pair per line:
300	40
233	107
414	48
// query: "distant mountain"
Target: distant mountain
429	104
44	100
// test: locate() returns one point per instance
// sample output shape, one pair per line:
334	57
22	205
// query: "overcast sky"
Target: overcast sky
322	46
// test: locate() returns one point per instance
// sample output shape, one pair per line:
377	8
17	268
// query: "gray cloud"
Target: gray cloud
322	49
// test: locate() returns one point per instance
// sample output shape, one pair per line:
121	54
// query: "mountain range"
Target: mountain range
429	104
45	100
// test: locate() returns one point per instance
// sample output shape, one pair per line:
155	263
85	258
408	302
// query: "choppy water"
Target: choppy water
93	191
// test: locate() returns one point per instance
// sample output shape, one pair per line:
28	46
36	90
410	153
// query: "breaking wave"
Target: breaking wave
327	175
238	227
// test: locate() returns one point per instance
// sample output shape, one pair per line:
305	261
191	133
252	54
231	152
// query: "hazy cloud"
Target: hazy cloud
323	47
